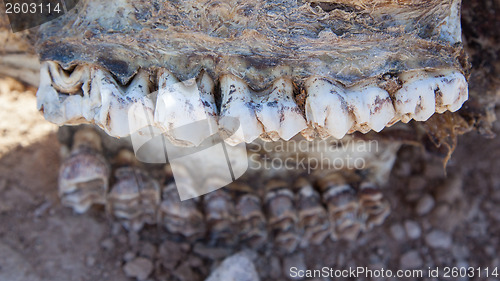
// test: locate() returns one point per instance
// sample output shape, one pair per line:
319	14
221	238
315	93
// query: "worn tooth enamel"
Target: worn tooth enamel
326	107
372	108
452	92
278	112
237	104
63	108
183	103
416	99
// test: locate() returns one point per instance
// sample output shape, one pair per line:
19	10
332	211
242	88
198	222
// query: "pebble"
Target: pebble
128	256
185	273
425	204
236	267
166	249
147	250
397	232
410	260
412	229
139	268
438	239
90	261
108	244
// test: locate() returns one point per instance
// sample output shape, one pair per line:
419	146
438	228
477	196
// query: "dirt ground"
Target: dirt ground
437	220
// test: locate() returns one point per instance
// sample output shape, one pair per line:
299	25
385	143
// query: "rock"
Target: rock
108	244
451	190
438	239
410	260
295	261
128	256
425	204
398	232
139	268
147	250
185	273
412	229
171	253
90	261
236	267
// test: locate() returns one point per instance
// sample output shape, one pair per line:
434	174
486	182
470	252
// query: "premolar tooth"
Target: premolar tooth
372	108
416	99
326	107
67	83
453	91
279	113
237	104
183	103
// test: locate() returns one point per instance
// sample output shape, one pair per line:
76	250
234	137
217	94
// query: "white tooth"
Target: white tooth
416	99
279	113
180	104
66	107
113	114
326	107
372	108
237	104
453	91
140	110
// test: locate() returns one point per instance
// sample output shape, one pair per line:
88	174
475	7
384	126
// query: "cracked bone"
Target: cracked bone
183	103
326	107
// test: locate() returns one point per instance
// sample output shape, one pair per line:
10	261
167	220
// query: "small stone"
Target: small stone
168	259
275	270
108	244
236	267
398	232
451	190
438	239
410	260
139	268
185	273
129	256
425	204
412	229
90	261
293	263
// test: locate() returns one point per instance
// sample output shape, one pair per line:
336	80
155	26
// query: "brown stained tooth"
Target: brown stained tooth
374	207
84	175
134	197
219	210
250	218
282	216
180	217
343	206
313	219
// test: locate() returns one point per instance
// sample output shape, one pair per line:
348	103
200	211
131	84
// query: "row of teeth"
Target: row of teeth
290	215
91	95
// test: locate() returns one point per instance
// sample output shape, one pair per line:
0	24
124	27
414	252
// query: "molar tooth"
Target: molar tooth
372	108
113	116
326	107
453	91
183	103
279	113
237	104
416	99
58	94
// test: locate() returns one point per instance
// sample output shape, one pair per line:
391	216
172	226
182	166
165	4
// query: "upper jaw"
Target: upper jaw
326	68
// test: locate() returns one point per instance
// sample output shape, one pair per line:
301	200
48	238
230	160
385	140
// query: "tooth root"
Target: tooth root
237	105
326	107
180	104
278	112
372	108
453	91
